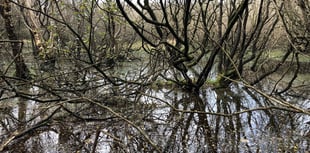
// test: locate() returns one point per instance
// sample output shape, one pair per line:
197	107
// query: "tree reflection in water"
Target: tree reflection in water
162	121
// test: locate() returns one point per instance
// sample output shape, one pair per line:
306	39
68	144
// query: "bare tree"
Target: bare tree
87	79
16	44
204	33
98	97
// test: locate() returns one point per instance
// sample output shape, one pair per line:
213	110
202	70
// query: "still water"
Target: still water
159	120
59	116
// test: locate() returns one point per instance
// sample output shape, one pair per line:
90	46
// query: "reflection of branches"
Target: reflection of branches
289	109
19	134
239	112
275	101
144	134
88	119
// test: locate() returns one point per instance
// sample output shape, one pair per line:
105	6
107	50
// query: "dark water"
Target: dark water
163	120
131	118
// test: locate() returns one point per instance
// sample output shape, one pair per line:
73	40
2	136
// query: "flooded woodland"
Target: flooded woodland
197	76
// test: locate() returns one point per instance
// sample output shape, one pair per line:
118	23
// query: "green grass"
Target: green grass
278	54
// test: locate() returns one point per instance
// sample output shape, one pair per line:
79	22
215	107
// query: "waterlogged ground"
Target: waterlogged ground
89	115
163	121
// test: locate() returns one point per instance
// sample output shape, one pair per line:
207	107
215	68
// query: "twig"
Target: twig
18	134
128	121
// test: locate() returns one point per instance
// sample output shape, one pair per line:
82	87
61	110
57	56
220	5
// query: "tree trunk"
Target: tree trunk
31	20
21	68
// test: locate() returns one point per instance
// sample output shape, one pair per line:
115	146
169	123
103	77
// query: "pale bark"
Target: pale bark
33	25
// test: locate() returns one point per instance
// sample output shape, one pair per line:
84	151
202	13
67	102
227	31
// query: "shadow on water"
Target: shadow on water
222	120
